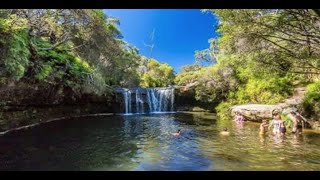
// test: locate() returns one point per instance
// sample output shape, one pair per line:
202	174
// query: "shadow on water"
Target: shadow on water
145	142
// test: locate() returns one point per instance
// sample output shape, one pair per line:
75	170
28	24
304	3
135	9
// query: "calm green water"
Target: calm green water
145	142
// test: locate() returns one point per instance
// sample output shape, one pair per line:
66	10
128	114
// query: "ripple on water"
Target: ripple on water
145	142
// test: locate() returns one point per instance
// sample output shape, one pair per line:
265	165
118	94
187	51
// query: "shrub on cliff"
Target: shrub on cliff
311	101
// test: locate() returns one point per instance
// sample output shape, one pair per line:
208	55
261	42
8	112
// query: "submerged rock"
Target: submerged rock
198	109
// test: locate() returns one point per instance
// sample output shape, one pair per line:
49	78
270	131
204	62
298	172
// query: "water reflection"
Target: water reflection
145	142
263	139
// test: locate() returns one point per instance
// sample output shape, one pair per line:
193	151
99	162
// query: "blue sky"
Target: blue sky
178	32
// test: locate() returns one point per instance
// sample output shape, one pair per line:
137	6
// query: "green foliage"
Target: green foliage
223	110
68	69
18	54
259	54
215	82
287	120
311	101
95	83
207	55
148	81
79	49
44	72
259	91
189	75
157	75
312	95
282	40
185	78
266	91
190	68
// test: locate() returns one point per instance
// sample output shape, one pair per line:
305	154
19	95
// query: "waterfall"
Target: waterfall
154	100
139	101
149	100
127	101
160	100
172	99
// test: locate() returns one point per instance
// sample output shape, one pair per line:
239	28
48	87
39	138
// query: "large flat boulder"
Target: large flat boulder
255	112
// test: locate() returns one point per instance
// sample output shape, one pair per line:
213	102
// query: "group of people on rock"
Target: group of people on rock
277	124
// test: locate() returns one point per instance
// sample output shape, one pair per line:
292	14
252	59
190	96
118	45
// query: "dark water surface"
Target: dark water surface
145	142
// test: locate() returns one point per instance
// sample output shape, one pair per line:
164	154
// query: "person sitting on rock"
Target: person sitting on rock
263	127
225	131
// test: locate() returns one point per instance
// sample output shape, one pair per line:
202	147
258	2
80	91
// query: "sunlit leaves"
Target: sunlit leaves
157	75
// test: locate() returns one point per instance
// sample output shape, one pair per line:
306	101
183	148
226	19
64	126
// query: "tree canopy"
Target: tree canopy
257	56
157	75
79	49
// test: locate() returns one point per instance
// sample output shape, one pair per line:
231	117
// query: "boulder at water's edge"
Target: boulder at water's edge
254	112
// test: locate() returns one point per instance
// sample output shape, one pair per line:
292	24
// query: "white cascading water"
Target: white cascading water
154	100
172	98
157	99
139	102
149	101
127	101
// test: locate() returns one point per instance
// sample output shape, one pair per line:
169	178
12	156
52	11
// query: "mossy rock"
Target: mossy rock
198	109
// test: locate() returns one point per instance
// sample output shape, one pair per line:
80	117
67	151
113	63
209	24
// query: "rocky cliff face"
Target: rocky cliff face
185	101
22	104
21	96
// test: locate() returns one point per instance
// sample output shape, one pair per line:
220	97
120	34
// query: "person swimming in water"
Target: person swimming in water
177	133
225	131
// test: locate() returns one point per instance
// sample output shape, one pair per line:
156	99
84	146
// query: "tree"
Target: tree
208	55
79	49
285	40
189	68
158	75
